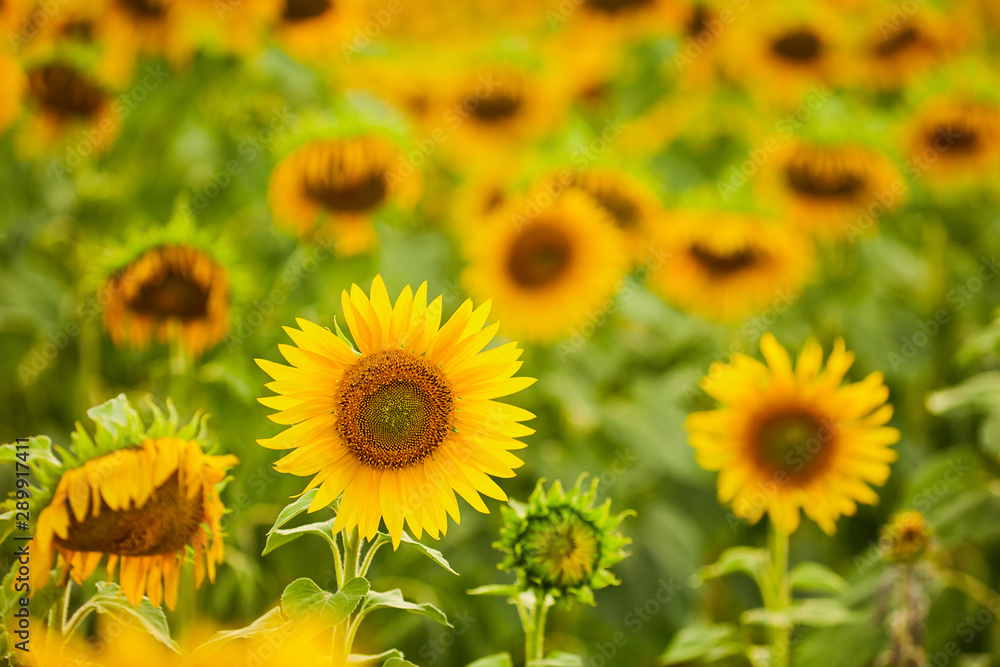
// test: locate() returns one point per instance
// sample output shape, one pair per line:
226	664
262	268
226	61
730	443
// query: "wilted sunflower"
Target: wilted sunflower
338	185
726	266
549	263
66	101
138	496
559	544
174	291
786	437
953	142
632	205
406	421
831	189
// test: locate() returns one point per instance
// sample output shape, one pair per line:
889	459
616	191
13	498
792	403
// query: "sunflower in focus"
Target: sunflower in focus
560	544
548	267
828	190
338	185
138	496
727	266
955	141
399	426
173	292
787	438
631	204
66	103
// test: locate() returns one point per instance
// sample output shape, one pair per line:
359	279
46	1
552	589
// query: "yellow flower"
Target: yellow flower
547	267
726	266
906	537
172	291
338	185
787	438
12	80
317	30
955	142
402	426
827	189
141	507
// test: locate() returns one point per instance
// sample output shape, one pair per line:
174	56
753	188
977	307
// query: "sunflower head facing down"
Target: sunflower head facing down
338	186
786	437
172	292
559	543
399	423
549	262
727	266
139	496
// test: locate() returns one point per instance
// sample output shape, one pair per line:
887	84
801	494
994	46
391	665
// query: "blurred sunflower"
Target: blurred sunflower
631	204
310	29
826	188
175	292
338	185
726	266
224	27
12	80
397	427
955	141
143	27
138	495
67	103
560	544
785	439
906	538
547	273
619	19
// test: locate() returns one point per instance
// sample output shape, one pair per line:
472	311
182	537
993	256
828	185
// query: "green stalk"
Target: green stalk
780	598
534	630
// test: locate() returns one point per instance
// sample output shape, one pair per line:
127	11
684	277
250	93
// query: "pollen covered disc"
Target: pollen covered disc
394	409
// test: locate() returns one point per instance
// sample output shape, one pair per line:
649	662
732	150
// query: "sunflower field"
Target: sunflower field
496	333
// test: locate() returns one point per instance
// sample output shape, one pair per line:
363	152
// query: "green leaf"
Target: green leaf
277	537
705	642
398	662
495	660
294	508
737	559
501	590
110	600
266	623
306	603
433	554
813	613
558	659
358	659
816	578
116	420
394	599
978	392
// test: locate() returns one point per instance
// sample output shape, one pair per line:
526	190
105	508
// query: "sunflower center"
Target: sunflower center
351	196
64	91
394	409
798	46
172	295
561	550
622	209
958	137
794	442
303	10
832	184
615	6
698	21
161	526
144	9
723	263
539	256
82	30
898	42
498	106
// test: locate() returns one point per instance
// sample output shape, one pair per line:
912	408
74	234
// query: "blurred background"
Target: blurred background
855	145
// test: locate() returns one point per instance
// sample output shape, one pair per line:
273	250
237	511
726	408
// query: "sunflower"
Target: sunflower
726	266
549	263
313	29
559	544
406	421
631	204
225	27
787	438
68	103
906	538
136	494
618	19
826	189
176	291
12	80
338	185
954	141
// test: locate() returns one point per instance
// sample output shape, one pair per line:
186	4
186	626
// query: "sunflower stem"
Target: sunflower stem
352	545
534	634
370	555
780	596
65	606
